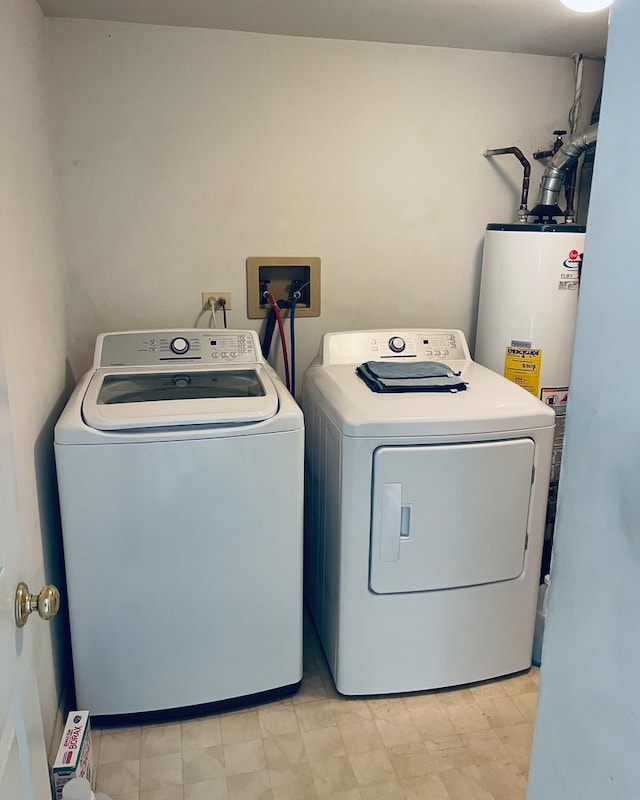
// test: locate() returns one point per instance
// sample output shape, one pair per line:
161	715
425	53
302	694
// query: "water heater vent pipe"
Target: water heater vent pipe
557	169
522	211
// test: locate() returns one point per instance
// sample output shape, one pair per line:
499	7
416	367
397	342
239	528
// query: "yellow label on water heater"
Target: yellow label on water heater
522	366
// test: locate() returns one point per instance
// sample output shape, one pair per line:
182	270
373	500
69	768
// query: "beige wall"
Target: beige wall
183	151
32	309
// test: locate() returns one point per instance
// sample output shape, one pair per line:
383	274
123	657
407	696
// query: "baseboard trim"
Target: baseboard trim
58	724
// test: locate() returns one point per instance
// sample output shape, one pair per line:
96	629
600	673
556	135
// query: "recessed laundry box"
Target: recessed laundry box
184	589
425	514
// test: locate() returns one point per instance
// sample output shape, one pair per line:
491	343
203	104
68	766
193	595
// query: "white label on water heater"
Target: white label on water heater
556	399
570	271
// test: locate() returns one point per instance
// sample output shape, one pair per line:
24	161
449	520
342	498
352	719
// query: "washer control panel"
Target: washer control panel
197	346
355	347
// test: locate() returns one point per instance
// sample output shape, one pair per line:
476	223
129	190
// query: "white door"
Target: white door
23	762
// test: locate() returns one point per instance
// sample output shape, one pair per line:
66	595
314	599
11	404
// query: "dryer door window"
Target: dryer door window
447	516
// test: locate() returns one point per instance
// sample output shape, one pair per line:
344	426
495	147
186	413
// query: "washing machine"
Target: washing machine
180	472
424	516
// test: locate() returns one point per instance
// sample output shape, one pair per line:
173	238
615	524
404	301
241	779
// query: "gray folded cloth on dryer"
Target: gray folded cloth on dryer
415	376
404	370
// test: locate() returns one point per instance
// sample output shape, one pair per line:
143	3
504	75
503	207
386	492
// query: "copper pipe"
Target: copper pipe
522	211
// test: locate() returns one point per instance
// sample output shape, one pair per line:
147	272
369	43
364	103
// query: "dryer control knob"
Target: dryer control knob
397	344
179	345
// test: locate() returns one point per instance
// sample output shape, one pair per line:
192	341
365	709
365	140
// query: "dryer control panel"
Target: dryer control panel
355	347
194	346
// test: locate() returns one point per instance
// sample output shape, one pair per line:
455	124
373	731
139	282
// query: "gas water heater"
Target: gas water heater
527	310
530	281
528	303
529	292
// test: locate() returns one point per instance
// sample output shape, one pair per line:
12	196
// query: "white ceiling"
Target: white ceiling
542	27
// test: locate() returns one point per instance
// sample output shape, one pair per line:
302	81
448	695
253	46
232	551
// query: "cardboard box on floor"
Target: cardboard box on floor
75	756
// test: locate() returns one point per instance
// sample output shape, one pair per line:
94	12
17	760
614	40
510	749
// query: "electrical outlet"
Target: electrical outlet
226	296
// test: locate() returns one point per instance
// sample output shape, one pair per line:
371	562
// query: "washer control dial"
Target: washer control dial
397	344
179	345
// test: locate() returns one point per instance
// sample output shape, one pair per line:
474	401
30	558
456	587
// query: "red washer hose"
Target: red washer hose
283	341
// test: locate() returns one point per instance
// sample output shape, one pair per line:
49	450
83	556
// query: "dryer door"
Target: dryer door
446	516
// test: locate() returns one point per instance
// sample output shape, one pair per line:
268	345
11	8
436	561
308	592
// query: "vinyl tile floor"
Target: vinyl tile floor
468	743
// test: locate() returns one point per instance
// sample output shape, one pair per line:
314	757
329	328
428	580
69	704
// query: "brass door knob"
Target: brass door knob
46	603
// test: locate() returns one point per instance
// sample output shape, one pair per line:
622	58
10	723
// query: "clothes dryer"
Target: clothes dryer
174	456
424	516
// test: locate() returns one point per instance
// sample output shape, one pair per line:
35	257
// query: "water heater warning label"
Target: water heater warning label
557	400
522	366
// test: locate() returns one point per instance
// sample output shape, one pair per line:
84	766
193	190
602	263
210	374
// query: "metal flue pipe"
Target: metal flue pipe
557	169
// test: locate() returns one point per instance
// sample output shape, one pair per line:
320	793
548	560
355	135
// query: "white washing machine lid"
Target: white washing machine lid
132	398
